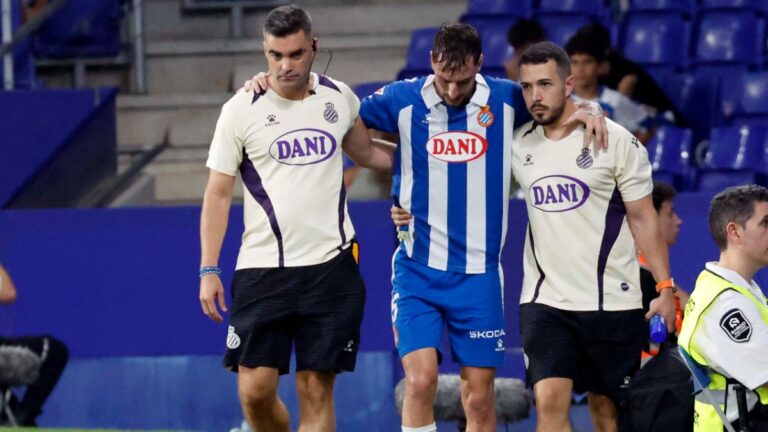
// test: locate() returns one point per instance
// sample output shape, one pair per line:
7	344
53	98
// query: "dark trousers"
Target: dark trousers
54	355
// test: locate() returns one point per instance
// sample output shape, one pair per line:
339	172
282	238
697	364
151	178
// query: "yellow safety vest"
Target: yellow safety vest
708	287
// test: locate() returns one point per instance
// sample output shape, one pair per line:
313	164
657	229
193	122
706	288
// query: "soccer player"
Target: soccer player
452	173
297	280
726	318
581	314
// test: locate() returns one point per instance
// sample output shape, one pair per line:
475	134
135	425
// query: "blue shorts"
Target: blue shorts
425	300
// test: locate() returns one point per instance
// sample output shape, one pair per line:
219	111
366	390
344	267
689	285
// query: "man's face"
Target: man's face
457	86
289	59
669	222
585	69
754	235
544	91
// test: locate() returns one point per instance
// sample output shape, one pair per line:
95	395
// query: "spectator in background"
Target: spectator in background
629	78
521	35
586	57
53	354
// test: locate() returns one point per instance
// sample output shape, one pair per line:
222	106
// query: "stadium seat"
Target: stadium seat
364	89
417	61
85	28
752	5
733	37
594	8
509	9
745	99
657	39
561	27
696	97
736	155
669	152
681	6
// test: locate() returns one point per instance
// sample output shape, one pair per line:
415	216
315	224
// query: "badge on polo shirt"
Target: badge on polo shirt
736	326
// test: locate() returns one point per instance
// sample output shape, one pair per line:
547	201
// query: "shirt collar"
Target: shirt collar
733	277
432	99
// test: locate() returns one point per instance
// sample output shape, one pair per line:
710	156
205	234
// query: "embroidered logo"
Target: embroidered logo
624	286
499	345
528	160
271	120
485	117
350	344
584	159
330	113
233	340
427	118
736	326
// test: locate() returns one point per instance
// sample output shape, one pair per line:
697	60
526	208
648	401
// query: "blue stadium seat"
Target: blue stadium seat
23	64
594	8
659	39
733	37
745	99
752	5
417	61
496	49
681	6
88	28
509	9
561	27
736	155
364	89
669	152
696	97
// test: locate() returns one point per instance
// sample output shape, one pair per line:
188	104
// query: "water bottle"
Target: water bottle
658	330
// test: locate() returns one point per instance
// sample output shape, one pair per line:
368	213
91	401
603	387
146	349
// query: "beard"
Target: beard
542	119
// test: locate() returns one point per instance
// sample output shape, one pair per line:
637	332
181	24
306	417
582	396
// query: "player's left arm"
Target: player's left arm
366	151
644	224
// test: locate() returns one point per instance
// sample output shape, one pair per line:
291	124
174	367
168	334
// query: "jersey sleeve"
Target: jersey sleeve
352	102
226	150
632	168
741	357
522	116
378	110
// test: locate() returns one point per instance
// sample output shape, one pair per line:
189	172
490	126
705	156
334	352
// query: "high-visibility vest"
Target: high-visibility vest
708	287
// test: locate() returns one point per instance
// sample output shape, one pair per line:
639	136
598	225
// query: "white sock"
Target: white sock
428	428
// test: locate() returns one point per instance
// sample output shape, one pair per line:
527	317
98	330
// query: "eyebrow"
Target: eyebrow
298	51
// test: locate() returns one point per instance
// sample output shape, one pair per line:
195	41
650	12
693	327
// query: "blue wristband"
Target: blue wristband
204	271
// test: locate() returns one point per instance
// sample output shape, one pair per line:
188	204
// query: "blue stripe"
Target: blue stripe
495	201
420	193
614	218
253	183
457	199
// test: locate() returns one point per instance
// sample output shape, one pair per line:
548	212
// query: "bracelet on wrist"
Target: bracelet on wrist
665	284
209	270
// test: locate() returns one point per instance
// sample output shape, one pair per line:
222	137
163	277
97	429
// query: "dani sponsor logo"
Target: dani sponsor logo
457	146
303	147
558	193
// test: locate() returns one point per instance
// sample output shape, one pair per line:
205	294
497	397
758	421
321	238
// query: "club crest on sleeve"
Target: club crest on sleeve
485	117
330	113
736	326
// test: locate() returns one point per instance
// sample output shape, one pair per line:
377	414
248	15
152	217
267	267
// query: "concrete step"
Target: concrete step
165	19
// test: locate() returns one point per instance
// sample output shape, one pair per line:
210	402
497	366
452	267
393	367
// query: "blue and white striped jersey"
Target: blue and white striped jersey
452	167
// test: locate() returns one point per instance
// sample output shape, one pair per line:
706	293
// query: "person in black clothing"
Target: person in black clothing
522	34
53	354
629	78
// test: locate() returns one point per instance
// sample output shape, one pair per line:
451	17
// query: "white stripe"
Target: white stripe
438	196
476	206
406	170
509	118
7	36
501	284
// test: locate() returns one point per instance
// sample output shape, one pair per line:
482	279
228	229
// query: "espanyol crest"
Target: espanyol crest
330	113
457	146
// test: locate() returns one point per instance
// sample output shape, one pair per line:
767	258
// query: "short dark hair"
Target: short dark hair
662	192
454	43
525	32
542	52
735	204
598	34
287	20
582	43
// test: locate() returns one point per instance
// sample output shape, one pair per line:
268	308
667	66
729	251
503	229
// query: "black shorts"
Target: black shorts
599	351
318	308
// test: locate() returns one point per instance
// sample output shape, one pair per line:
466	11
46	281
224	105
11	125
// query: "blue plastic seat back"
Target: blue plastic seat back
560	28
729	36
657	38
670	149
696	97
419	47
752	5
736	148
508	8
89	28
681	6
589	7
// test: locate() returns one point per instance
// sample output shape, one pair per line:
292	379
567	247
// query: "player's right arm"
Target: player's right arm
365	151
213	226
7	289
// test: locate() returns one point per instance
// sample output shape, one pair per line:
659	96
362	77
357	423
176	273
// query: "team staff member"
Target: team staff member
581	288
297	280
726	318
